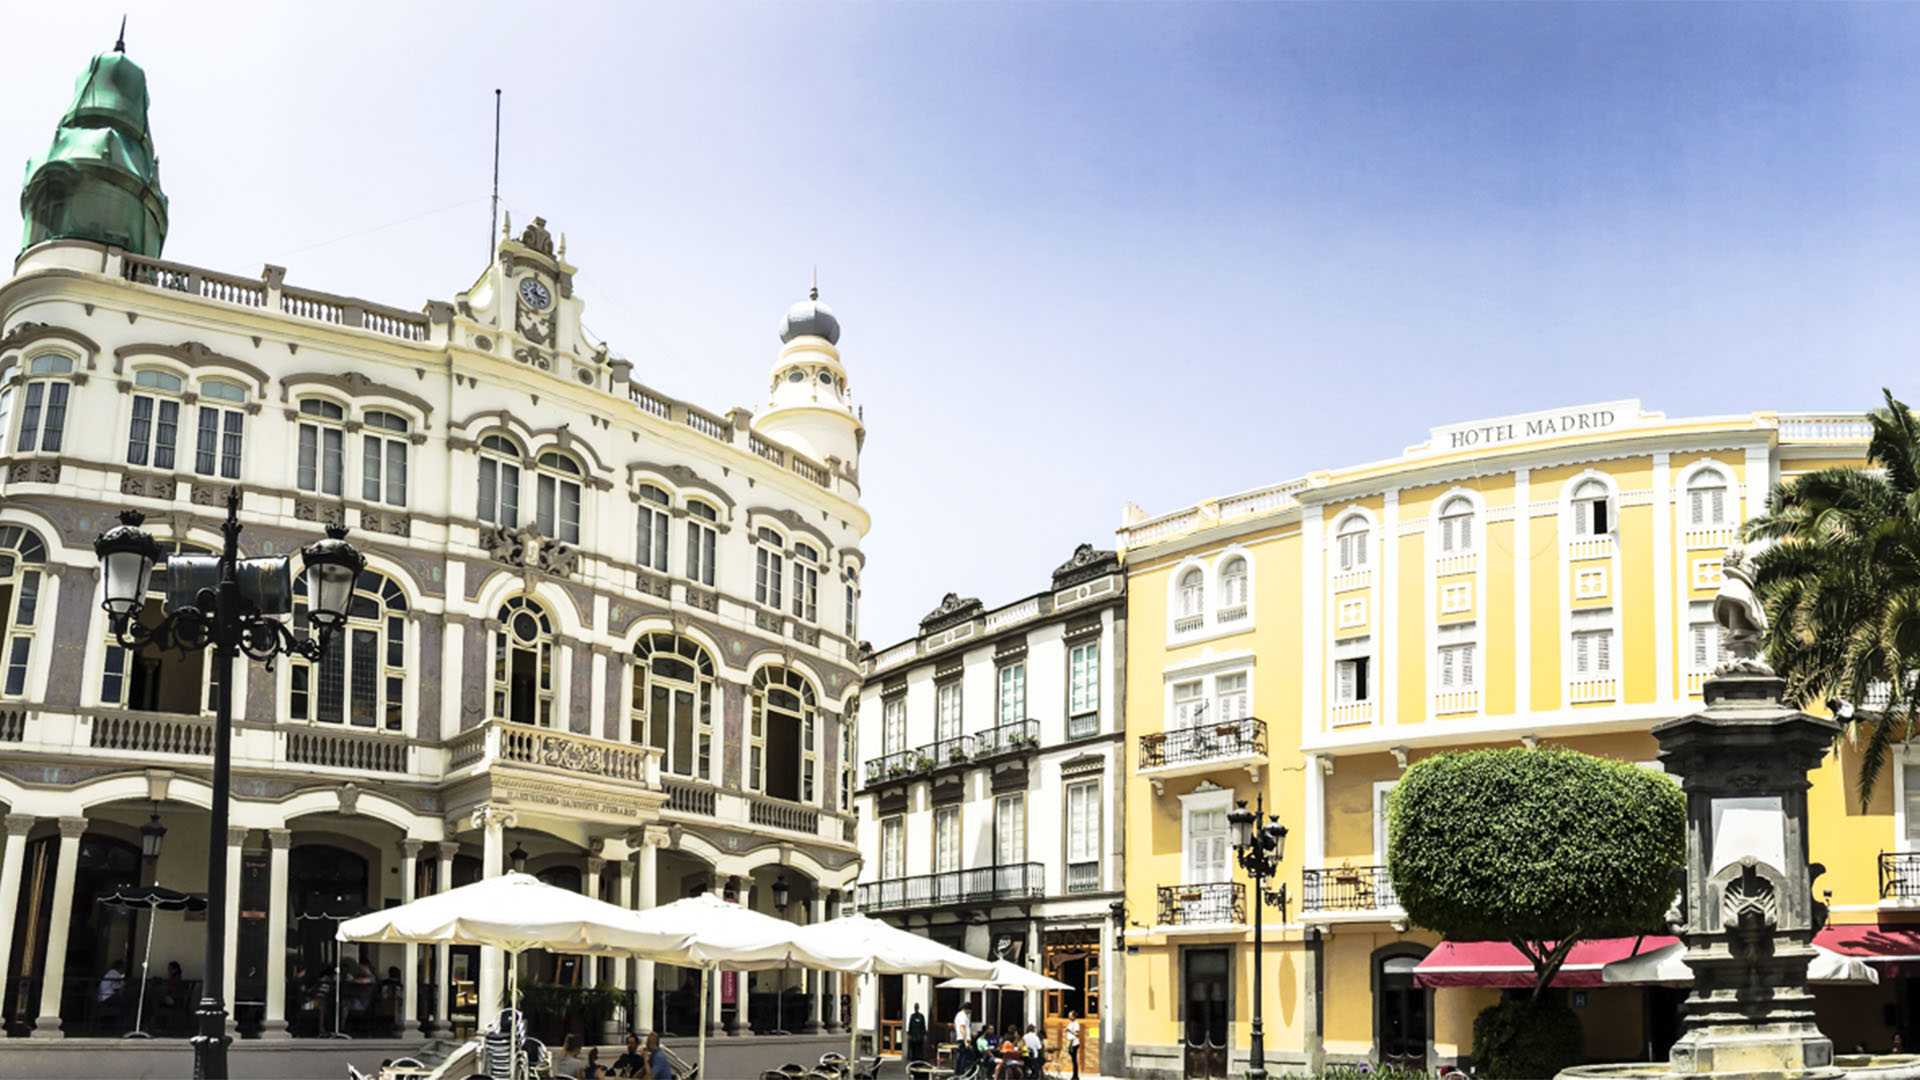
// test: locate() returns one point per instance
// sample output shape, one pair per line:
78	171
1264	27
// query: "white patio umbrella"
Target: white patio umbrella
1006	976
1667	966
516	912
723	934
888	950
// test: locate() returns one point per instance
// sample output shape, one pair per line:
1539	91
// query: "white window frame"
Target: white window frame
946	839
1455	524
391	660
653	528
48	413
1082	824
219	428
769	568
1709	492
500	464
1083	688
893	725
385	449
1011	681
1591	496
806	583
1593	644
1349	652
1010	829
156	435
559	488
703	532
1352	538
320	458
893	848
949	722
1205	802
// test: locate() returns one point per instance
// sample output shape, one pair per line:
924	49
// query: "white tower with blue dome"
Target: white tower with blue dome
808	405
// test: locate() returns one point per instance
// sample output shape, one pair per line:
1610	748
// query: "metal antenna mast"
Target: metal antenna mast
495	227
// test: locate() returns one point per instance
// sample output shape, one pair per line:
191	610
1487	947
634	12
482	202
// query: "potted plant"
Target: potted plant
956	755
923	763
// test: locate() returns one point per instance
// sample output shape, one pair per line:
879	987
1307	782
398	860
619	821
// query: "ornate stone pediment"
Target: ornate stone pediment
525	548
952	609
1085	565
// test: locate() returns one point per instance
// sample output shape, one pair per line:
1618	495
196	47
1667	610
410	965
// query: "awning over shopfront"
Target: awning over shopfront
1499	965
1894	950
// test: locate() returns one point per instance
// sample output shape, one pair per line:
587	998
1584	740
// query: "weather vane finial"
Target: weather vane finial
120	46
814	293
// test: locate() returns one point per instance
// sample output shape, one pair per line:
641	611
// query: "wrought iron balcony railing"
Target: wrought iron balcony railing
1013	738
1219	903
1900	875
1207	741
1014	881
1347	888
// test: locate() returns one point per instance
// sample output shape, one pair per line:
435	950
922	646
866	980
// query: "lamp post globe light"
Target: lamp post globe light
1260	845
781	893
234	606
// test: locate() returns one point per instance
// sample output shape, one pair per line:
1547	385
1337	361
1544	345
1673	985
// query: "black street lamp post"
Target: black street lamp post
1260	843
232	605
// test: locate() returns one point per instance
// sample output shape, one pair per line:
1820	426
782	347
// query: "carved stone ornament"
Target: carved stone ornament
537	237
952	609
525	548
1742	619
349	798
1086	564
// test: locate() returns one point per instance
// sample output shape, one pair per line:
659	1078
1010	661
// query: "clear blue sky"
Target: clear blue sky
1085	254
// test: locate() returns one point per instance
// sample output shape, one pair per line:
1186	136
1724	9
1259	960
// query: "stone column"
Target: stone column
494	821
443	969
278	843
816	913
595	864
647	897
47	1026
410	966
236	839
18	826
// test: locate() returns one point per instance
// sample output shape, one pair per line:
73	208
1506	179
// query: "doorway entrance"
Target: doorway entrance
1073	957
1401	1012
1203	983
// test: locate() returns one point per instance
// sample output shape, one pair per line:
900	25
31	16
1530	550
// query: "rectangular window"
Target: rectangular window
1013	693
893	726
806	593
1232	701
499	493
1207	846
1591	518
1083	836
851	621
1350	675
1189	704
700	544
1353	549
557	508
218	450
946	703
946	839
1083	690
652	533
154	432
1456	666
322	465
383	470
1707	506
1593	652
1010	817
43	422
767	577
893	849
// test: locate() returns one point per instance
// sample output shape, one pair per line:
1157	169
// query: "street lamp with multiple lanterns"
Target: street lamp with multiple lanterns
1260	843
234	605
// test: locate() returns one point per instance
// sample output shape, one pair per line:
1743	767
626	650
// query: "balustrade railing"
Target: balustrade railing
153	733
339	749
958	750
691	798
1209	741
809	470
650	403
765	449
1580	691
524	745
466	748
780	814
1810	428
211	284
713	427
13	725
1207	904
1347	888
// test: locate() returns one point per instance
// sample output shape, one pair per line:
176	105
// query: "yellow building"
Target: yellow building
1534	578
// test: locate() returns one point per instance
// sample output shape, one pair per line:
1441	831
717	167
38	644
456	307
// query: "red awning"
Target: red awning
1498	964
1895	950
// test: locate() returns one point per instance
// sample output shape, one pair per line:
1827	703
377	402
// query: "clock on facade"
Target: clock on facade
534	293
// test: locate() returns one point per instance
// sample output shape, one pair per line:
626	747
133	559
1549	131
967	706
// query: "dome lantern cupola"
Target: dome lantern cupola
810	318
809	405
99	180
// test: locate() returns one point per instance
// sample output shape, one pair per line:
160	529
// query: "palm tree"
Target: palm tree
1841	585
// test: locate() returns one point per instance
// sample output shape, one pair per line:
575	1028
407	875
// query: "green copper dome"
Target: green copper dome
99	180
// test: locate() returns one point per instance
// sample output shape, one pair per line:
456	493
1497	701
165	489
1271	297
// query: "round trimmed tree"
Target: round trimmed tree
1541	849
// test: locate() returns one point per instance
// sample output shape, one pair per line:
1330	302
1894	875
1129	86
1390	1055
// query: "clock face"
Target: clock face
534	293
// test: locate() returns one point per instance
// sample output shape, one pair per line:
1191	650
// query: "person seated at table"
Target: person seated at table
569	1063
594	1070
1036	1051
1009	1055
659	1066
983	1045
631	1063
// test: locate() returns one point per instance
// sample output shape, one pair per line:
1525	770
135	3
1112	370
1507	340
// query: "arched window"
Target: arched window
1707	499
1456	526
701	535
1193	594
847	722
153	679
806	583
323	447
499	482
1592	509
23	557
153	435
651	528
781	730
43	415
1233	583
1352	542
383	458
360	680
222	419
853	596
673	703
557	500
523	663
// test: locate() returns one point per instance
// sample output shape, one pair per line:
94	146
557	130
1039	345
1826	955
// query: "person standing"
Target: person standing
1036	1051
963	1039
916	1035
1073	1041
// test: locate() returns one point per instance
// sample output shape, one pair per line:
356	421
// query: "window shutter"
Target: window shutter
1446	667
1466	665
1603	643
1580	653
1345	668
1700	645
1719	505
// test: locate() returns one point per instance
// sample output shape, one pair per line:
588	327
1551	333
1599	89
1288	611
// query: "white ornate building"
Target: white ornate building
990	800
601	629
